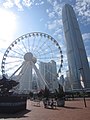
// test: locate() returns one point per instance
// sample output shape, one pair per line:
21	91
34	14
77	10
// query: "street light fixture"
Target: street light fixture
82	86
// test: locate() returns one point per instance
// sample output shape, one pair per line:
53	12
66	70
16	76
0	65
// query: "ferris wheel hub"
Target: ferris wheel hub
29	57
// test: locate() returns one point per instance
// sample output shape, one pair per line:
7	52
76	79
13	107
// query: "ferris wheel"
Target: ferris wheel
25	55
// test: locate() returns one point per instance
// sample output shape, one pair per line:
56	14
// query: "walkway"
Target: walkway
73	110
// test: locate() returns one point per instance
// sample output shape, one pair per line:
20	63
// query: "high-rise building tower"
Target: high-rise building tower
49	72
76	54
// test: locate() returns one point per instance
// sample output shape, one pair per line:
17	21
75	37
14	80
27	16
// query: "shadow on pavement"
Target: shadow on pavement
52	108
71	107
16	115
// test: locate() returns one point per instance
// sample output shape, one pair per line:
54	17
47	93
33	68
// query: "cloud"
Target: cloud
20	4
51	15
56	6
51	25
27	3
86	36
39	3
58	31
82	8
12	3
54	24
8	4
54	14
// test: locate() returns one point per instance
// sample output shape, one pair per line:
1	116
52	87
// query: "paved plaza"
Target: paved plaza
73	110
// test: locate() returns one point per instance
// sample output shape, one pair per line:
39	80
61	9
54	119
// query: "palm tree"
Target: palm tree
46	93
60	96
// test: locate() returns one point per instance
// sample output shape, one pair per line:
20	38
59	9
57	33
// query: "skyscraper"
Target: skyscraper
76	54
49	73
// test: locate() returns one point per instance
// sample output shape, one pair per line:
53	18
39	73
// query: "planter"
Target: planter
60	102
12	104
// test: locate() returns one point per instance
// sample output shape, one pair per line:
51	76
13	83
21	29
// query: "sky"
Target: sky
18	17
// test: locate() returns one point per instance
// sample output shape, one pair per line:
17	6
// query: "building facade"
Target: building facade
76	54
49	73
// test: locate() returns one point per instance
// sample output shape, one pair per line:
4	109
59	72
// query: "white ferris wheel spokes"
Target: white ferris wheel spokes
23	57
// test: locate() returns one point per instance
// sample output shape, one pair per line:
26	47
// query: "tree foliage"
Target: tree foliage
7	85
59	93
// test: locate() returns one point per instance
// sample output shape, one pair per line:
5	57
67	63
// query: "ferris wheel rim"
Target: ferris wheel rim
26	36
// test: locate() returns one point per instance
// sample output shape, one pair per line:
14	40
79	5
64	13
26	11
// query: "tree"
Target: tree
60	96
7	85
46	93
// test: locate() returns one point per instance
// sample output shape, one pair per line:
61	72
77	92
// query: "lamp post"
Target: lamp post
82	86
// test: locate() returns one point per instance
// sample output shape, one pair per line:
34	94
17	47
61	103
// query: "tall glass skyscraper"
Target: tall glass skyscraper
76	54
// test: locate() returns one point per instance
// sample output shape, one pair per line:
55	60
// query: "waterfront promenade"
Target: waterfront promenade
73	110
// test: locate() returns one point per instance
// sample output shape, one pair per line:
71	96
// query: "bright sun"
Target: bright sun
7	24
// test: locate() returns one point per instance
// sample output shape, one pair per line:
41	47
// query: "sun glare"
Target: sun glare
7	24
